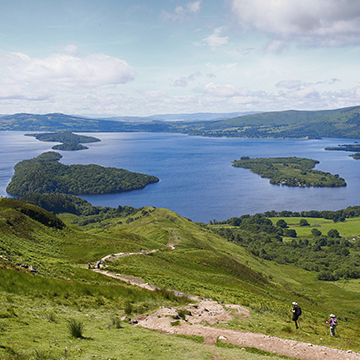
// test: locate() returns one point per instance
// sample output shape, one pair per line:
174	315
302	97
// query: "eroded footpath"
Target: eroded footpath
196	319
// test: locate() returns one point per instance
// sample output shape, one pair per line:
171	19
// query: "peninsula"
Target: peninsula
290	171
44	174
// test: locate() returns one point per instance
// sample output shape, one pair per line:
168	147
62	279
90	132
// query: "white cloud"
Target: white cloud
290	84
227	90
297	84
325	23
194	7
215	39
65	70
182	82
292	95
181	12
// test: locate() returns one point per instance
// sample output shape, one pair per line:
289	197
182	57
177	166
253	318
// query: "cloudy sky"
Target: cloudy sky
143	57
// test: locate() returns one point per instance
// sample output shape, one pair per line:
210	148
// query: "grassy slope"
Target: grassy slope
209	266
202	264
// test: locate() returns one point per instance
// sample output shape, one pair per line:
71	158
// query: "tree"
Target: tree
282	224
290	233
333	233
303	222
316	232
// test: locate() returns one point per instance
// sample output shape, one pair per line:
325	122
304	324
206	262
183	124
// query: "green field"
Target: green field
349	229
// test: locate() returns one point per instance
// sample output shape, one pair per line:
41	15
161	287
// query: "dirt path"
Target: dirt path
118	255
211	312
208	312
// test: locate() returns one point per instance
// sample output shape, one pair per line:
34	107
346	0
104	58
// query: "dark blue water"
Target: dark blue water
196	177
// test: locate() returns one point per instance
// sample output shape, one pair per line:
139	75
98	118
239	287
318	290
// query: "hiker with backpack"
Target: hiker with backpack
333	324
296	310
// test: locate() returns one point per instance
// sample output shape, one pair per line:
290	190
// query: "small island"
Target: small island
355	156
70	141
349	147
290	171
45	175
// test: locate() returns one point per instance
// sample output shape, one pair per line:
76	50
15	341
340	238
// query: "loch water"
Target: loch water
197	180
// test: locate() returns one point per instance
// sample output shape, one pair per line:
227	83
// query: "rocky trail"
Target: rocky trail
196	319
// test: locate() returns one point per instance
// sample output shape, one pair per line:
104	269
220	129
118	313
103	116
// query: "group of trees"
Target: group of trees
331	256
45	174
290	171
336	216
87	213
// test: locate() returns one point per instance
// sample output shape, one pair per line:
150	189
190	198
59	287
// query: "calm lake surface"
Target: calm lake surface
196	177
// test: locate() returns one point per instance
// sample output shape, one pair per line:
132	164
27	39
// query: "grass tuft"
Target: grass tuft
75	328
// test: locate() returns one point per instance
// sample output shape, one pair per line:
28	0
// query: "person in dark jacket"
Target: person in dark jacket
296	313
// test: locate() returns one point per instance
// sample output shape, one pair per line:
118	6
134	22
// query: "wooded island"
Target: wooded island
44	174
290	171
70	141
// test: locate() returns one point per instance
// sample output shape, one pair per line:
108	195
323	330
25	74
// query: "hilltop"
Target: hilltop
160	248
343	123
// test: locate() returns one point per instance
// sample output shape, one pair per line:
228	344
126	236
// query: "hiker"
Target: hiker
89	266
296	310
333	323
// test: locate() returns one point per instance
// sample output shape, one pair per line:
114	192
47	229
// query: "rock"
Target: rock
222	337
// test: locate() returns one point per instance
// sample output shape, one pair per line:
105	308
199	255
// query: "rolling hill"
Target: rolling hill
342	123
187	257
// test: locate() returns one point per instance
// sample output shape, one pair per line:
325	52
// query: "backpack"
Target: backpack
298	311
333	323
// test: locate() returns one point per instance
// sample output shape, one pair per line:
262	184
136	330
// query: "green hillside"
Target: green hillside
343	123
188	257
287	124
64	123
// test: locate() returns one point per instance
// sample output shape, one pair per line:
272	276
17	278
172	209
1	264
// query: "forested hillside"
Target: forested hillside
338	123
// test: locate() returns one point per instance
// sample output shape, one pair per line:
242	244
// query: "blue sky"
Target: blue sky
142	57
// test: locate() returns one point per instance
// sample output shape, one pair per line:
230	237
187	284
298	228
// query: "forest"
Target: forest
44	174
290	171
326	252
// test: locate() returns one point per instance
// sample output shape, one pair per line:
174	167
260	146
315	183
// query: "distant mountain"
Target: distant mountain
182	117
344	123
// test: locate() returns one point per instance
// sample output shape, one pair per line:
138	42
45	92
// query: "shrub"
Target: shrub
116	322
76	328
316	232
128	309
333	233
